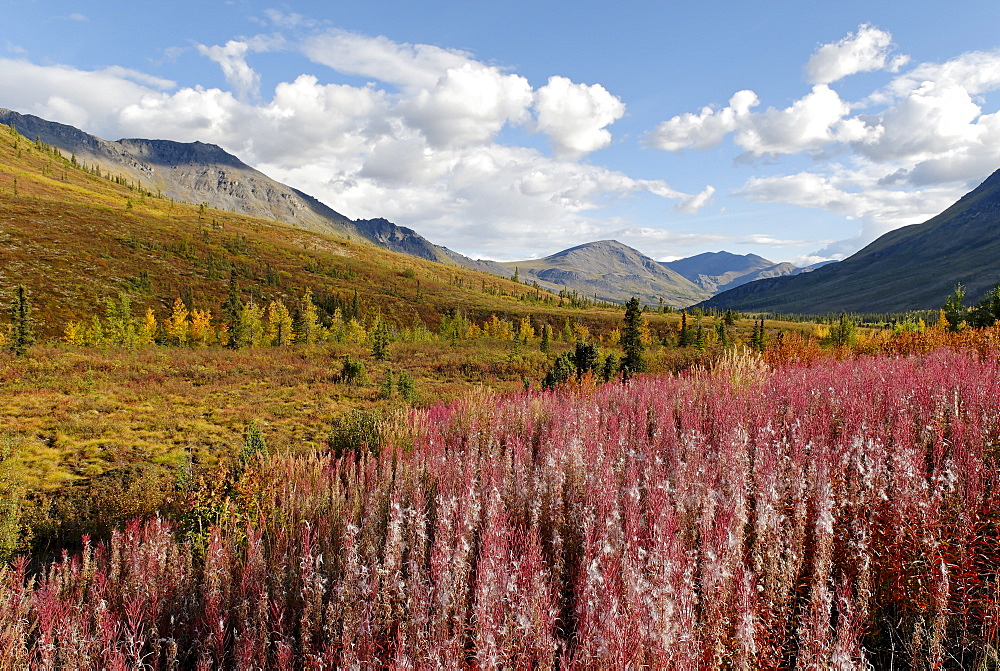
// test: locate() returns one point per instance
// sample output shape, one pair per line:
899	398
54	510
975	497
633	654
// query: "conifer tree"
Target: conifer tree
546	343
633	359
254	444
380	340
406	386
22	324
232	312
120	328
388	385
684	336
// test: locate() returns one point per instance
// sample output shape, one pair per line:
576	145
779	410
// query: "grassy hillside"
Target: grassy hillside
912	268
73	238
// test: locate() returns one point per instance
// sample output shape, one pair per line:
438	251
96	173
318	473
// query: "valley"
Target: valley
322	442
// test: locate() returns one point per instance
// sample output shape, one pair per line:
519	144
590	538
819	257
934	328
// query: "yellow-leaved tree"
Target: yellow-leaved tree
279	325
200	332
147	329
178	326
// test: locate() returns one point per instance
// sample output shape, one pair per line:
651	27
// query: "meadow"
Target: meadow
801	507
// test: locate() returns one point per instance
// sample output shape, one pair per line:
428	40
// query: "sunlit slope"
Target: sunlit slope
911	268
73	238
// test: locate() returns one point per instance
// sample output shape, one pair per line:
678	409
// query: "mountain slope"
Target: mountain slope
718	271
912	268
74	239
196	172
612	271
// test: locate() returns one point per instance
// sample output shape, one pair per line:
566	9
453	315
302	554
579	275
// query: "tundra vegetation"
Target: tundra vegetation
227	457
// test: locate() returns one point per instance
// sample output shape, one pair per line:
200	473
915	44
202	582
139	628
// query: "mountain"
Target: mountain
75	239
718	271
612	271
911	268
196	172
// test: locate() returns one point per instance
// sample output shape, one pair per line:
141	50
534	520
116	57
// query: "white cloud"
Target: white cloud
574	116
468	105
89	99
704	130
408	65
232	59
867	50
897	156
693	204
855	196
808	124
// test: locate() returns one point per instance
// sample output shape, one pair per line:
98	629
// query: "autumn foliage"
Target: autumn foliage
832	514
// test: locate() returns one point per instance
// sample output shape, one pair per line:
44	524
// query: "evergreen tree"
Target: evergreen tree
380	340
609	367
585	358
406	386
954	310
232	312
388	385
758	340
633	359
684	336
253	444
844	334
699	336
562	371
722	333
22	324
546	344
987	311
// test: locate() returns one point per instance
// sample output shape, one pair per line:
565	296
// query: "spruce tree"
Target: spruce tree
633	360
232	311
546	344
22	325
380	340
684	336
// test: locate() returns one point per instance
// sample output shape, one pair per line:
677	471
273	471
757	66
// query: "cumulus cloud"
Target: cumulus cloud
468	105
232	59
864	51
417	144
574	116
894	157
855	196
408	65
808	124
704	130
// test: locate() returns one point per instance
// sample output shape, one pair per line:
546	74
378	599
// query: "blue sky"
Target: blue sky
794	130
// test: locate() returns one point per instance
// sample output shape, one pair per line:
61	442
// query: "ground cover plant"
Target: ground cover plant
807	514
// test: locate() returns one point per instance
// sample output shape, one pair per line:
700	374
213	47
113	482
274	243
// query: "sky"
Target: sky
799	131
